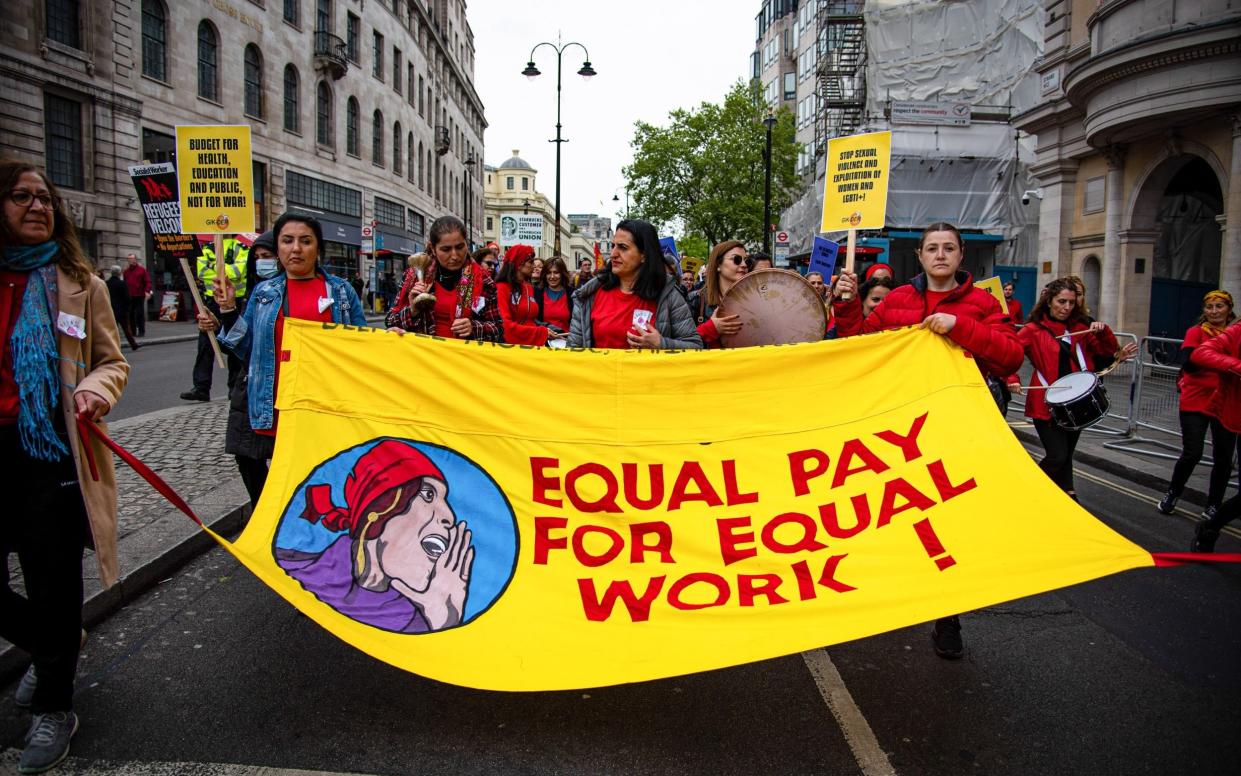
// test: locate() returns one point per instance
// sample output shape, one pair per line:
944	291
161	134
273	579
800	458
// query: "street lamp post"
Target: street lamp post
469	199
532	72
616	198
769	121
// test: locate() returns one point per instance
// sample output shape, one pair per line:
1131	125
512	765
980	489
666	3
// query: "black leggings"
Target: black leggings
1194	427
44	522
1059	442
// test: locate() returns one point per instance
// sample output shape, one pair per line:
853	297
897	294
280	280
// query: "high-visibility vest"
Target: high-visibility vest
235	256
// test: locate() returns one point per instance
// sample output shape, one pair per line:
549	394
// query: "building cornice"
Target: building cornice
95	89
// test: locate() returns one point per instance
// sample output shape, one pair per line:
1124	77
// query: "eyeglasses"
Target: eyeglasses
23	198
738	260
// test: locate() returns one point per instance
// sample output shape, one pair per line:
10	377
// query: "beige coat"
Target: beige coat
92	364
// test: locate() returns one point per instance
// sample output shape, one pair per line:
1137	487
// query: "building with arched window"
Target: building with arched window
1139	156
88	89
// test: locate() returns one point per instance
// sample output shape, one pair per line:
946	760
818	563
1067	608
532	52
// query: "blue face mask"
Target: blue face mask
267	268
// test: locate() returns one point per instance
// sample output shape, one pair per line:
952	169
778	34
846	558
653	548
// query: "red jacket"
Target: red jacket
1223	354
137	280
1043	349
1198	386
981	328
1014	311
520	312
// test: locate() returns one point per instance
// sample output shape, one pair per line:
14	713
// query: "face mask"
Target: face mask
267	268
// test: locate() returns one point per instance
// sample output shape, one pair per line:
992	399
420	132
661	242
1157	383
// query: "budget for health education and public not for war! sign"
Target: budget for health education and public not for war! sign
855	187
215	176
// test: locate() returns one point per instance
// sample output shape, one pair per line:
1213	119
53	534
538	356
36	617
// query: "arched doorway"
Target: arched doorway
1092	277
1186	255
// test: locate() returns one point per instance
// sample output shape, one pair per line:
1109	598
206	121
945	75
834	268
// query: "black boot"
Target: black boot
1204	538
947	638
1168	504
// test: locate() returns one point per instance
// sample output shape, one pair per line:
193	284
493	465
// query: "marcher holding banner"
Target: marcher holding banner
1058	340
303	291
727	263
466	304
515	298
944	300
554	297
633	304
60	358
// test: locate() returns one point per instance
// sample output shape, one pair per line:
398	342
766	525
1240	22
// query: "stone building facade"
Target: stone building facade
1139	155
510	190
360	112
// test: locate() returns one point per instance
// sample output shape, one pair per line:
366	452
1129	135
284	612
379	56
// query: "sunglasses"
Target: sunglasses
738	260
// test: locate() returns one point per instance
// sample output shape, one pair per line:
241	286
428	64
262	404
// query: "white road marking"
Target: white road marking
866	750
78	766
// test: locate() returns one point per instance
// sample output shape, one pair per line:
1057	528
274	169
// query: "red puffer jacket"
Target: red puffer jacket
1223	354
1043	348
982	329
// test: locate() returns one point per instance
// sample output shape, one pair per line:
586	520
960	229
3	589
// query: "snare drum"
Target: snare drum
1077	400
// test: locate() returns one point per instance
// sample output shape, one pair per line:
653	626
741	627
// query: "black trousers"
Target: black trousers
204	361
45	524
1194	427
1059	444
253	474
138	315
1231	509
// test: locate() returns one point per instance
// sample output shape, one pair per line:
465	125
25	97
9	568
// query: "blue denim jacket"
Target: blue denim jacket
252	336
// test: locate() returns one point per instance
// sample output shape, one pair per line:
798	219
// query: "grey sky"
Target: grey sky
651	57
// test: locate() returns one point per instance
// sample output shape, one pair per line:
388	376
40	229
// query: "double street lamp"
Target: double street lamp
469	198
532	72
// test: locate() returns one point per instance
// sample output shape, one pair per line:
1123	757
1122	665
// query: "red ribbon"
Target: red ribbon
87	429
1167	559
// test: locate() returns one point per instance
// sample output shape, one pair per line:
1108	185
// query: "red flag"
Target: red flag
598	257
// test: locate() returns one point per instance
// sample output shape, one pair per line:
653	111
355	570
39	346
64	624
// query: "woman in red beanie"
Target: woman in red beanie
402	561
515	297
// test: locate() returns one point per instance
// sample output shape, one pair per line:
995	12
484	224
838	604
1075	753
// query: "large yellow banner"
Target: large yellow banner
515	518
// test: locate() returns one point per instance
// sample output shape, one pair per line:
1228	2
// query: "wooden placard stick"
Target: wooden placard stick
198	304
850	251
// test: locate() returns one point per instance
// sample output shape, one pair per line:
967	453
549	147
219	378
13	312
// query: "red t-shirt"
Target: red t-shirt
302	302
613	316
445	309
933	298
12	287
1199	386
556	311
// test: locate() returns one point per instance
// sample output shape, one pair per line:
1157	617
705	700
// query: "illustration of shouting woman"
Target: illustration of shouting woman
402	562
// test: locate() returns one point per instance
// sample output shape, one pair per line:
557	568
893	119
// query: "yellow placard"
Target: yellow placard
855	187
215	177
995	287
691	265
605	538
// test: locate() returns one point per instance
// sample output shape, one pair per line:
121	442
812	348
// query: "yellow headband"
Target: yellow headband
1223	296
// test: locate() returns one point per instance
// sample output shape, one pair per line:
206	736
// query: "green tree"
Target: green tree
693	245
705	168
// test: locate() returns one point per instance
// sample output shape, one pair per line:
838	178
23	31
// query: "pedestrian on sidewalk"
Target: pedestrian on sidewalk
944	299
138	282
1222	354
1198	388
60	356
118	295
302	290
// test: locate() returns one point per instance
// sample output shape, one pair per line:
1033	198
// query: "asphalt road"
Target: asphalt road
158	374
1132	674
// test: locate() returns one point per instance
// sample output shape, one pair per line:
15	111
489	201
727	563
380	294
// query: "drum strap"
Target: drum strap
1064	342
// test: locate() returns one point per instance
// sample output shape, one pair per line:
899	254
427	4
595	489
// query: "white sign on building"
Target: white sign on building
941	114
521	230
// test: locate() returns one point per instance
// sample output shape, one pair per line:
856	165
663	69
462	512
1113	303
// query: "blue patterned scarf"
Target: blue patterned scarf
35	352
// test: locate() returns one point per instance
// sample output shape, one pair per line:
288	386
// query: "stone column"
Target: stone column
1230	257
1058	180
1109	291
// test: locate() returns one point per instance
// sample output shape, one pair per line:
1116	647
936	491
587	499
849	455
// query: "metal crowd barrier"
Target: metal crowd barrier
1155	398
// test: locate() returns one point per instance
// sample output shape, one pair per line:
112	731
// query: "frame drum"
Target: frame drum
777	307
